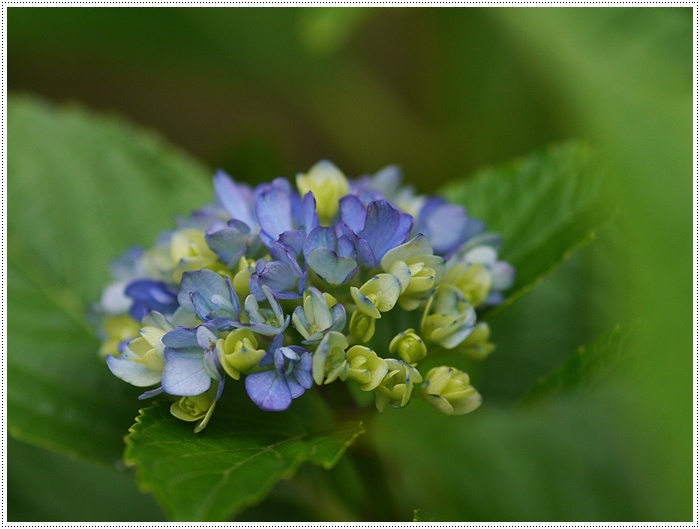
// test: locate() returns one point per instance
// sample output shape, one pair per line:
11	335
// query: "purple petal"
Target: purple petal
230	242
269	391
237	199
274	211
353	212
309	212
385	227
150	393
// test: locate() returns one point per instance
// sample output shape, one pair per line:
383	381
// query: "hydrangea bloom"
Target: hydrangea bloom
283	287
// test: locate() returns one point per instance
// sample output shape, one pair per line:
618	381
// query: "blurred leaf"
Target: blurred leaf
324	30
234	462
545	206
584	370
47	487
82	189
573	461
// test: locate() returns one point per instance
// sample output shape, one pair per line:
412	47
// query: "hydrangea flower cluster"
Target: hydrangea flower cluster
334	281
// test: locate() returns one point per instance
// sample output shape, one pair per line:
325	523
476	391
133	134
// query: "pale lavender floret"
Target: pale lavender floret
280	209
446	226
148	295
237	199
210	296
289	378
191	361
385	184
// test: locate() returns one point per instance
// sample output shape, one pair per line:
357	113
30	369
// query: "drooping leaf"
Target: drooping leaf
81	189
234	462
583	370
545	206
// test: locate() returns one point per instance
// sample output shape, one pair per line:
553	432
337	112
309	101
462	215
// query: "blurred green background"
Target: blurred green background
442	92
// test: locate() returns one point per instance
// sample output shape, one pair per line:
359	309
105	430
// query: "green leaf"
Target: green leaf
82	189
571	460
584	370
545	206
235	461
47	487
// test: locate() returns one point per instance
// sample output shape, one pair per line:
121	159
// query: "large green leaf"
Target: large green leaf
43	486
583	370
81	190
546	206
236	460
572	460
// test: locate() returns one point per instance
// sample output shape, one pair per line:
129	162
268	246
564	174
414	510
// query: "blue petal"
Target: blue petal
286	254
184	374
236	199
320	237
302	370
150	295
214	295
293	240
181	338
280	278
229	243
385	227
151	393
353	212
269	391
331	268
274	212
309	212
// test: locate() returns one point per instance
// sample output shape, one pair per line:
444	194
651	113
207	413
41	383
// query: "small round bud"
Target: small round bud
241	280
449	390
362	326
448	318
473	279
328	184
329	360
196	408
477	345
408	346
365	367
397	386
239	353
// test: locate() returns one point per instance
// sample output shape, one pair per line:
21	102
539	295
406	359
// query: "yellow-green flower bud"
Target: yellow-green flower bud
189	251
377	295
473	279
328	184
396	387
362	326
408	346
241	280
366	367
117	329
418	270
477	345
448	317
197	408
449	390
239	353
329	360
